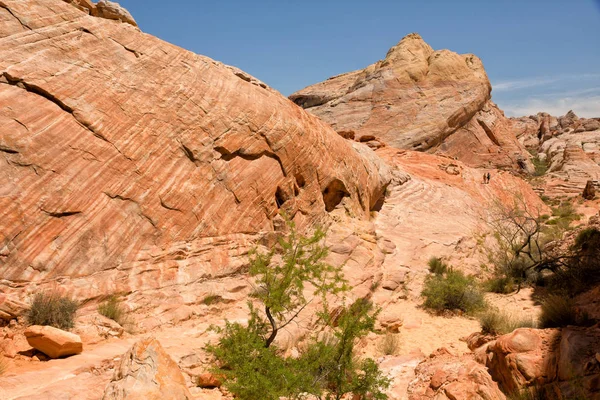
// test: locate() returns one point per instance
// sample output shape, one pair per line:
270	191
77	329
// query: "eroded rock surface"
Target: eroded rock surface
147	372
445	376
420	99
564	358
131	163
569	145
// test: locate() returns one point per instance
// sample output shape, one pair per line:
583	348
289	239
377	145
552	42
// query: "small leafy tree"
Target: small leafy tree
248	358
341	370
283	273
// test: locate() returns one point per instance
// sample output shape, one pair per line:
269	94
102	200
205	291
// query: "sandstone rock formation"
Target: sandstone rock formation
53	342
568	144
563	357
129	162
420	99
11	308
146	372
444	376
104	9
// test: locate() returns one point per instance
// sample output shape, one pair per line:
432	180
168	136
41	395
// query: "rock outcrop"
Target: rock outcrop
104	9
146	372
53	342
445	376
420	99
562	358
569	145
132	163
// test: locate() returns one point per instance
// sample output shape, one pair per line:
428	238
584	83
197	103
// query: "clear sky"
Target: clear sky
539	55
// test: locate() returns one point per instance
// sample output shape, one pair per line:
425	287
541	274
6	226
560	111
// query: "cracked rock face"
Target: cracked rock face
147	372
420	99
128	162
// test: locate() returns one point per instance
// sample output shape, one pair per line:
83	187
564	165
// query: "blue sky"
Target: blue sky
539	55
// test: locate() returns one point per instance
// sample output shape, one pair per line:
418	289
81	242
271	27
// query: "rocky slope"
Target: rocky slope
569	145
135	163
134	167
420	99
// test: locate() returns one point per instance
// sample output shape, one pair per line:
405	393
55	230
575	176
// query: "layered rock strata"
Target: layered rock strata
140	164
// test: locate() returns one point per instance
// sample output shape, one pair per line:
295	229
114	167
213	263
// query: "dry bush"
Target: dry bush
496	322
113	308
389	344
52	309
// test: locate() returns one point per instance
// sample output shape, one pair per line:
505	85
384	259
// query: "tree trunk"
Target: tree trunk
273	326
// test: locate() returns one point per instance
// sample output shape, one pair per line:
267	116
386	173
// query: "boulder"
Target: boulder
11	308
560	358
208	380
147	372
444	376
53	342
111	10
394	279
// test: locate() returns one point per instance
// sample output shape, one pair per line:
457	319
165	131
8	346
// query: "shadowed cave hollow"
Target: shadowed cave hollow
333	194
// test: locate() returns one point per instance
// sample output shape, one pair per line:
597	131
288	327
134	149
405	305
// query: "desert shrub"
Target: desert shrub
496	322
580	269
212	299
550	392
541	166
452	291
389	344
52	309
113	308
559	311
500	284
437	266
562	216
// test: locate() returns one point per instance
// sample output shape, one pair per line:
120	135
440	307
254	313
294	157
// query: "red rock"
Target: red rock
147	372
53	342
208	380
168	172
445	376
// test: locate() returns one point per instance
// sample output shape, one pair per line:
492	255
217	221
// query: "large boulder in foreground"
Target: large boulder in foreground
130	163
420	99
565	360
146	372
444	376
53	342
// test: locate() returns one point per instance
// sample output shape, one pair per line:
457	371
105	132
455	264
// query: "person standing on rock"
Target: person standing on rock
488	177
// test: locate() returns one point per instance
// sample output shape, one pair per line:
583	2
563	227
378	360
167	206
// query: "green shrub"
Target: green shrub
390	344
452	291
500	284
559	311
550	392
113	308
541	166
437	266
496	322
212	299
52	309
581	268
